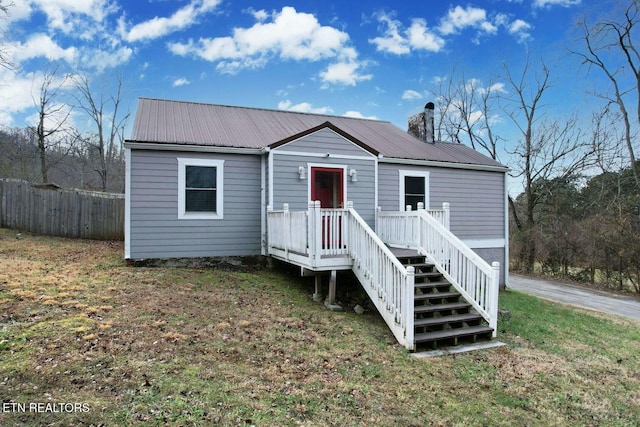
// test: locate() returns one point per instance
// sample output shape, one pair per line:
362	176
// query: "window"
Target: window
200	189
414	189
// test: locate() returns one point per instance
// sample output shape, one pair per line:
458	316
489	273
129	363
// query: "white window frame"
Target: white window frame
182	179
405	173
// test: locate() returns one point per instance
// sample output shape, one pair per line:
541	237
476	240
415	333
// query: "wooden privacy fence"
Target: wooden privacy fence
53	211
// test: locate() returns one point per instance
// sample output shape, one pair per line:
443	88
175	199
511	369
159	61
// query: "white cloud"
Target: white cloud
15	94
180	82
421	37
398	41
41	45
288	35
549	3
259	15
520	29
20	9
359	115
460	18
161	26
303	107
64	15
498	87
18	93
100	60
345	73
411	95
392	41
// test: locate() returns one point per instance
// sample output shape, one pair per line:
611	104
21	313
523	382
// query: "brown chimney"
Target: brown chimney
421	125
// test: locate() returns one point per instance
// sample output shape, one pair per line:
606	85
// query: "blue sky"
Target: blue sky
376	59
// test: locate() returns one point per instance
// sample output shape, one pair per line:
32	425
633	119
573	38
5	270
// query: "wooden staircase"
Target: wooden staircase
442	317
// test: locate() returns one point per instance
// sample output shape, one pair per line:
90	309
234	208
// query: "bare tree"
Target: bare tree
550	151
610	47
467	109
52	117
4	58
104	110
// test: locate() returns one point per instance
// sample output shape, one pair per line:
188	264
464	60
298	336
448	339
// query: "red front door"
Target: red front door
326	186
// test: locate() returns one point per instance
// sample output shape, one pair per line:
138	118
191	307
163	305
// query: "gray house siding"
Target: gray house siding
289	188
156	231
476	199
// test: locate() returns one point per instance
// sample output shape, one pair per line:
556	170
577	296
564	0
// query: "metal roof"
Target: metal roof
189	123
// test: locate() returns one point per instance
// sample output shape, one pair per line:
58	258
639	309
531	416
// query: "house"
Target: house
325	193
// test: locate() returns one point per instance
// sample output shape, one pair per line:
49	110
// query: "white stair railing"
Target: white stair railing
388	283
474	278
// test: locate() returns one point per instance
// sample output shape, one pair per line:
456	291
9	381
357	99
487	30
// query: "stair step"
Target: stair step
438	284
406	259
436	295
454	318
420	265
452	333
441	307
428	274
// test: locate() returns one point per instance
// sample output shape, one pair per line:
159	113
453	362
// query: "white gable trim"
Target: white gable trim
284	148
321	155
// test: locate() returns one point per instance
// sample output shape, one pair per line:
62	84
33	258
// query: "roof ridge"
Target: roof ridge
263	109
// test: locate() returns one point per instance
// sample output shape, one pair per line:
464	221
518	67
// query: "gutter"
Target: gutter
434	163
135	145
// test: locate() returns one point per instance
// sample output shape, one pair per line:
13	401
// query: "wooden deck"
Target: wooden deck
404	253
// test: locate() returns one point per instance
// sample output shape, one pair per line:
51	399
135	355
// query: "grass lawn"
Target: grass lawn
86	340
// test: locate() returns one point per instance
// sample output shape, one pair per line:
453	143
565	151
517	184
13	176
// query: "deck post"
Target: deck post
409	300
447	210
316	226
330	302
332	288
313	217
317	296
493	295
408	235
287	229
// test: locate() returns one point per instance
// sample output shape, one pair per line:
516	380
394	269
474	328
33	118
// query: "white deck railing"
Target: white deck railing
322	239
288	230
473	277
